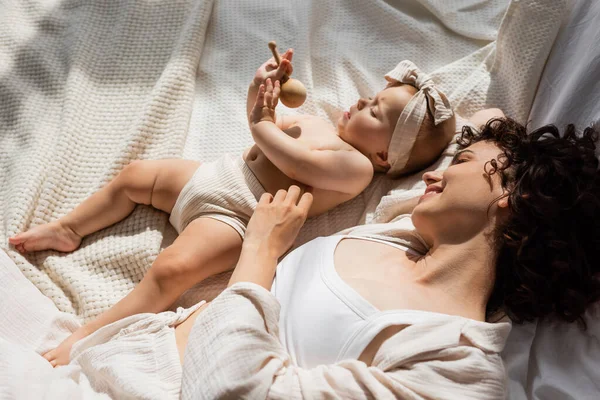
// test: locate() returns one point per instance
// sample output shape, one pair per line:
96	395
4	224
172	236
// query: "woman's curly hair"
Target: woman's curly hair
548	250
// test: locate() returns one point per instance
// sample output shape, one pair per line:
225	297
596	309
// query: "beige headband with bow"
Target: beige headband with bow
410	120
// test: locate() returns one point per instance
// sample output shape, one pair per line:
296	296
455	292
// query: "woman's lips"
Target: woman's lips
346	115
428	195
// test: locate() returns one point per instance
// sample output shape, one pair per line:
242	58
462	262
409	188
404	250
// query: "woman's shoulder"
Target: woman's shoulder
400	231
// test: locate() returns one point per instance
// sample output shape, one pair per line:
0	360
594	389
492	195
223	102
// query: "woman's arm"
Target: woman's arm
234	352
234	349
270	233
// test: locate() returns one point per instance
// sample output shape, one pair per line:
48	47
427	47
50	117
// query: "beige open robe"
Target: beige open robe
234	352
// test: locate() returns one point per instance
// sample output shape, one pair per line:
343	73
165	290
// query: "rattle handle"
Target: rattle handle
273	47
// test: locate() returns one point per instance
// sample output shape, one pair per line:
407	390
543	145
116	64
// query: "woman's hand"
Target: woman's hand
277	220
267	99
270	69
271	232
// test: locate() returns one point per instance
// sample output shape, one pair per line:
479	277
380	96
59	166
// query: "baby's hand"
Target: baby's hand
266	101
270	70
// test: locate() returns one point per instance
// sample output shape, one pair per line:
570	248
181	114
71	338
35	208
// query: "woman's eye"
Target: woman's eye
460	161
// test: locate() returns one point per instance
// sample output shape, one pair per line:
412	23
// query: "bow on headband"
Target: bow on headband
411	118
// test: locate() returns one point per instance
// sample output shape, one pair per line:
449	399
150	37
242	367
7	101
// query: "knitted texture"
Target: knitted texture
87	87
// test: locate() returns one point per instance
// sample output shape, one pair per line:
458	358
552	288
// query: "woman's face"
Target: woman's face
455	205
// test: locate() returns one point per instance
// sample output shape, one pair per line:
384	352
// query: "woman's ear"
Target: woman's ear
380	161
503	202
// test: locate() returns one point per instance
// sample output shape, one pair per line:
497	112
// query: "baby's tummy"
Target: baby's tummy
272	180
270	177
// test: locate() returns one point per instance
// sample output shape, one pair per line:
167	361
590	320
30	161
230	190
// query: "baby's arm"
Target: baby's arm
270	70
340	170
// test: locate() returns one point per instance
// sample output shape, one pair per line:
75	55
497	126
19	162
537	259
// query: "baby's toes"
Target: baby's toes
16	239
50	355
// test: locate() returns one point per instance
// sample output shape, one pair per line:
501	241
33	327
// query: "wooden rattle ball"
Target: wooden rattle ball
293	92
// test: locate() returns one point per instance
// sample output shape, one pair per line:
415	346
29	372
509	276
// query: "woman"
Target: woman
512	225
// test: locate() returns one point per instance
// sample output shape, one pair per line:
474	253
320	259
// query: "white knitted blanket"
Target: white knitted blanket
87	87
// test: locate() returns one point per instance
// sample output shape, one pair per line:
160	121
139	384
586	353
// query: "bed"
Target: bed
551	360
85	88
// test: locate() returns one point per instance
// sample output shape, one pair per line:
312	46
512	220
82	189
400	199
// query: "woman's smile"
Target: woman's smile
430	191
428	195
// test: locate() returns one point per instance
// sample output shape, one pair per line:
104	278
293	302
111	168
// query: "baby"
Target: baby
404	128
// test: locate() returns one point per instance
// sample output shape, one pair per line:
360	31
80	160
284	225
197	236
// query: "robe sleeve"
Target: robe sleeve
234	352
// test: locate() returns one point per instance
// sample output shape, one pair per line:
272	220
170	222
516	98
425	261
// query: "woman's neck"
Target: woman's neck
463	272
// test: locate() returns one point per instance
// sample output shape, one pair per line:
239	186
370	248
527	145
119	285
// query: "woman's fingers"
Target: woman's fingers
305	202
293	194
265	199
280	196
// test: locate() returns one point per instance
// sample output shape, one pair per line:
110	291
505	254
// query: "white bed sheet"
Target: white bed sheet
367	81
558	360
569	89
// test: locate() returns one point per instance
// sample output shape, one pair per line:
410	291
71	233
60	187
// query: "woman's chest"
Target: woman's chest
383	275
328	313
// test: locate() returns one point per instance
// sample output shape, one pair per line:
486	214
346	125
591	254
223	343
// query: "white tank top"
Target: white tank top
323	320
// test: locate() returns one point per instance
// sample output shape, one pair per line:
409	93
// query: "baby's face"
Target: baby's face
369	124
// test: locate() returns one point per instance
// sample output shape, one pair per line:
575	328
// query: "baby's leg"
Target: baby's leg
152	182
206	247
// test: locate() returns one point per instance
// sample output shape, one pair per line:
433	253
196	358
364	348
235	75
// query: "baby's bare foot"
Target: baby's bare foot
62	354
48	236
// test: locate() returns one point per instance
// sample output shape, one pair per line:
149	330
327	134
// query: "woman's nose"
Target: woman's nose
430	177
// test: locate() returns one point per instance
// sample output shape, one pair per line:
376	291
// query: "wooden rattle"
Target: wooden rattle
293	92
